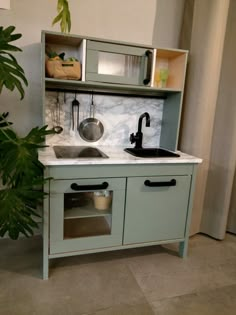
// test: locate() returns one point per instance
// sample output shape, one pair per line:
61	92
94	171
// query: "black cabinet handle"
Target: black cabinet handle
148	183
76	187
147	80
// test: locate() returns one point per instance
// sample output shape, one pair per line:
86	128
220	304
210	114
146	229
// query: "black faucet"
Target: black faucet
138	138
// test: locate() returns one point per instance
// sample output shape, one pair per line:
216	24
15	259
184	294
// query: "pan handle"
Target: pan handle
73	118
92	108
75	106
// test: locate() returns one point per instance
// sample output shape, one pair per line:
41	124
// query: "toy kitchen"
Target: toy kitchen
117	180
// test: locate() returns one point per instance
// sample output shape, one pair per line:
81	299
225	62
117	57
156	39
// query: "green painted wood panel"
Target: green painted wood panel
115	48
93	171
94	76
156	213
54	36
57	242
112	248
183	246
46	207
107	87
171	121
92	61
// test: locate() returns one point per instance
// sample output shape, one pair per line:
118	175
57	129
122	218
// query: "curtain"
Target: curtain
208	127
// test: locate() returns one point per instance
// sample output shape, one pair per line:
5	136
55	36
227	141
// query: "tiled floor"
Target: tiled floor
143	281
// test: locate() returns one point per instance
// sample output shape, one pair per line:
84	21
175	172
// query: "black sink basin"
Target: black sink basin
75	152
151	152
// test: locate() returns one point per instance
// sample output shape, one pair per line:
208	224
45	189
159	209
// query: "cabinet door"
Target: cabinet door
156	208
86	214
120	64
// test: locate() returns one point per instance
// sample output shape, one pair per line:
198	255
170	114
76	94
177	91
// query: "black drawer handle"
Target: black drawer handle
76	187
147	80
148	183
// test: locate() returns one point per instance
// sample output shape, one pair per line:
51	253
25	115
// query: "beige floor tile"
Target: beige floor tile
138	309
83	287
231	241
119	282
221	301
165	275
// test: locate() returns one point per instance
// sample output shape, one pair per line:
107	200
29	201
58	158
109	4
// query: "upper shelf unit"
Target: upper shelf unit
110	66
170	68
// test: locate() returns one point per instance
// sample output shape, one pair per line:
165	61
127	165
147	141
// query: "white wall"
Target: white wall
168	22
121	20
131	21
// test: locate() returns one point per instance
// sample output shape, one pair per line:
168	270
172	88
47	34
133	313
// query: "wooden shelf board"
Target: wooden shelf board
83	212
85	227
169	54
63	39
72	85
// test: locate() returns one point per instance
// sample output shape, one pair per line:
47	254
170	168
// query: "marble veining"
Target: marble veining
118	114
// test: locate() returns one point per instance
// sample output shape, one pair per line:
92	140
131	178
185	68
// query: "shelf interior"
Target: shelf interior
85	227
61	39
174	62
86	211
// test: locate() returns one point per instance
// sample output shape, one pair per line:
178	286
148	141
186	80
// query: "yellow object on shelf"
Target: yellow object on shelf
161	77
102	202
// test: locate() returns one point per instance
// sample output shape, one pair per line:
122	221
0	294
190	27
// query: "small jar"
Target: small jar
102	200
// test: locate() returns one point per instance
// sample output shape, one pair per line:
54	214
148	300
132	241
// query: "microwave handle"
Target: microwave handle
149	56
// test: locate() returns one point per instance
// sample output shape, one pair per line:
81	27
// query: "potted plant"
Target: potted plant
21	173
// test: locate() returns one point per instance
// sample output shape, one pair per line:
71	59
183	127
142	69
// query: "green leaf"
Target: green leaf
7	32
15	37
59	5
57	18
63	16
12	74
15	214
4	46
3	121
11	61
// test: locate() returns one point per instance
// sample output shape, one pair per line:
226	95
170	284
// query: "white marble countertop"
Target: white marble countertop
116	155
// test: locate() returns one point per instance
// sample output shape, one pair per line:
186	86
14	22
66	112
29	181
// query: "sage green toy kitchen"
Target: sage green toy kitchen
120	183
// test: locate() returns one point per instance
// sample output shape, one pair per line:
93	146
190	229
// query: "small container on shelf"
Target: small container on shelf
102	200
162	77
60	69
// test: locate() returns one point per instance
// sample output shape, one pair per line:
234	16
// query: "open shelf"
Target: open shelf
74	85
85	227
79	47
62	39
86	211
72	46
174	62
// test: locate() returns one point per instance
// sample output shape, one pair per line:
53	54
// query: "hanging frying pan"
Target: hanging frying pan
91	129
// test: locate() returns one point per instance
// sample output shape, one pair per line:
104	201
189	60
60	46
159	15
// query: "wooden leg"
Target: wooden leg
45	267
46	233
45	250
183	248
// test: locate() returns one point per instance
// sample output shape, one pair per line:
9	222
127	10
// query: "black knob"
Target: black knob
132	138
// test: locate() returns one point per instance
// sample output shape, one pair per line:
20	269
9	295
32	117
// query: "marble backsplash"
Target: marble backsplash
118	114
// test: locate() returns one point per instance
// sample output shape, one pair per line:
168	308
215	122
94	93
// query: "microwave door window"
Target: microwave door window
118	64
132	66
